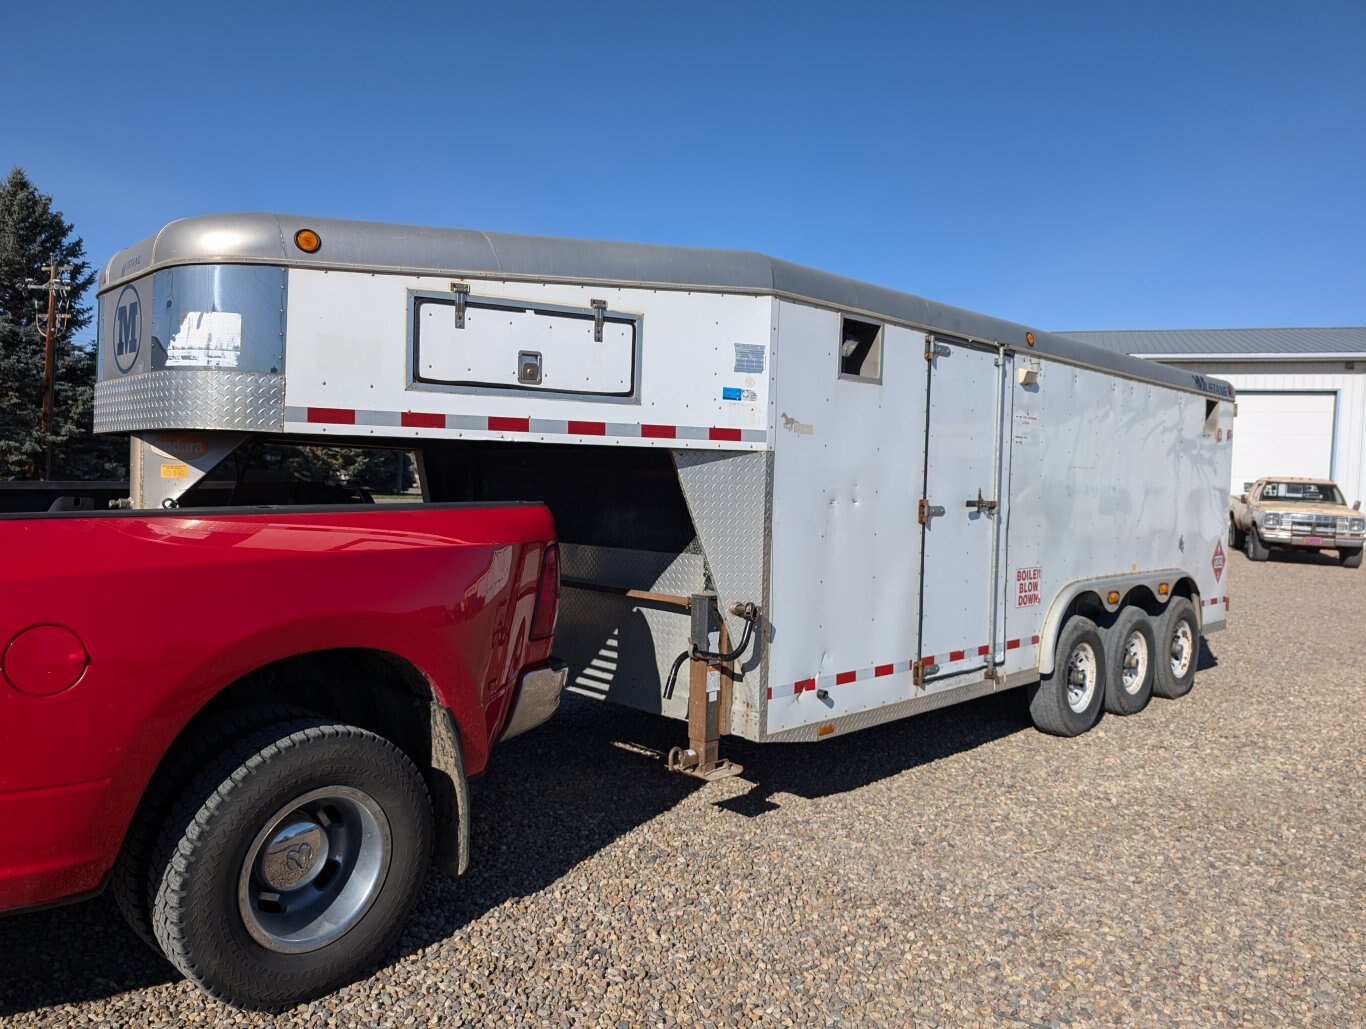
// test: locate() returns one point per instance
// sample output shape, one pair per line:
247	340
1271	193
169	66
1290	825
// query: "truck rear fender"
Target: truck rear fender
379	691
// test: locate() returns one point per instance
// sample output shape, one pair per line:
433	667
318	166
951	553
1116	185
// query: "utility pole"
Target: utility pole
57	287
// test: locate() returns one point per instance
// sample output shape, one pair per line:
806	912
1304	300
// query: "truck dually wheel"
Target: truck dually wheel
129	882
1068	702
290	865
1130	650
1178	648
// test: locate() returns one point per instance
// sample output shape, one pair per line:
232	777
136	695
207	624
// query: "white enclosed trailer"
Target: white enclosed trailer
922	504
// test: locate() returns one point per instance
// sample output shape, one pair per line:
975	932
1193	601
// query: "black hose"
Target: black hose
744	645
705	655
672	680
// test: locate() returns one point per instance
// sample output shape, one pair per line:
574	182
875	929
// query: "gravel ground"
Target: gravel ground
1201	862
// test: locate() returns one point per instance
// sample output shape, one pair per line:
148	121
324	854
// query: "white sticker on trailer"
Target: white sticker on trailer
206	339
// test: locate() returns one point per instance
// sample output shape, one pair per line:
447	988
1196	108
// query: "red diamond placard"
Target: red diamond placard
1217	562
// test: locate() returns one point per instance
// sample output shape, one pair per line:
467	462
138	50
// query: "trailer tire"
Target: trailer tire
1130	652
289	866
1256	549
1350	558
129	880
1178	649
1236	536
1068	701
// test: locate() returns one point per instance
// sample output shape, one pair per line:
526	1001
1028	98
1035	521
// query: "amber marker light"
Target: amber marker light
308	241
1114	598
826	730
1162	588
1029	338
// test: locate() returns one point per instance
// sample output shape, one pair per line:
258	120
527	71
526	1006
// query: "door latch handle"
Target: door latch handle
928	511
982	503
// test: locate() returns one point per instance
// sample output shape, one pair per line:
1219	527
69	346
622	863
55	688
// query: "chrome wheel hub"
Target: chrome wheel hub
1135	669
314	869
1183	649
1081	677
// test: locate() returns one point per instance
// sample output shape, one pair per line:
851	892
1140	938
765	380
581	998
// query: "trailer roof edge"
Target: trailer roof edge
264	238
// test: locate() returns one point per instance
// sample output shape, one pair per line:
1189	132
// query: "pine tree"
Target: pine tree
32	235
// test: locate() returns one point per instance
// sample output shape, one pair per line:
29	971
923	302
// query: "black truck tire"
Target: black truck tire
1350	558
1131	659
1235	536
289	866
186	758
1068	701
1255	548
1178	648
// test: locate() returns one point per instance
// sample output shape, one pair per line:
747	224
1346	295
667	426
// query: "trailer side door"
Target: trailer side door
961	511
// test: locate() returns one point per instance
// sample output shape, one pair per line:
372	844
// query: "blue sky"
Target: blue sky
1068	165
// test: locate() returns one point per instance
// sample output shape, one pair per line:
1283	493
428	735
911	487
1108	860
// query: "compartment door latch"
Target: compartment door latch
462	293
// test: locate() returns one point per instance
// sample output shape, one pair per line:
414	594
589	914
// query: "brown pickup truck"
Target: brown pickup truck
1296	514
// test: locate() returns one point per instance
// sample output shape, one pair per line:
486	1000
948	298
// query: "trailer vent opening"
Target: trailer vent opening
860	350
1211	417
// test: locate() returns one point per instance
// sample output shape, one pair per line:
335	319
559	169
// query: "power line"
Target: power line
58	290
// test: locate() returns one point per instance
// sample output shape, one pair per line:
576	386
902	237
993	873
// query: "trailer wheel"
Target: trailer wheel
1178	649
1236	536
1129	651
186	758
291	863
1068	702
1350	558
1256	549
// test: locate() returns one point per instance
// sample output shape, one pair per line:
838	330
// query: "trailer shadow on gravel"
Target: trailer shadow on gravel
551	800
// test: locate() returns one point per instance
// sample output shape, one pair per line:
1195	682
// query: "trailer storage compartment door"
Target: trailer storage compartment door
959	511
470	342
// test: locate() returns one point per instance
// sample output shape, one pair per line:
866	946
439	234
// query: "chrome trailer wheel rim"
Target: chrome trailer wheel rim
1135	669
314	869
1081	677
1183	650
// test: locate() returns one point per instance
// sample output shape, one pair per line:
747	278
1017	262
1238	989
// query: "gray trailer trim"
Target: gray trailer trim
416	250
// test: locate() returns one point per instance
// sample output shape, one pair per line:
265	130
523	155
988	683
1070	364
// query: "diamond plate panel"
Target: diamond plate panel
730	496
185	398
619	650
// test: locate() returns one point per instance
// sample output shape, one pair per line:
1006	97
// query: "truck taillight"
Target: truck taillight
547	595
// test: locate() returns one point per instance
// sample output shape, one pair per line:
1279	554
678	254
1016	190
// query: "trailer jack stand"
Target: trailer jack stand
689	762
711	672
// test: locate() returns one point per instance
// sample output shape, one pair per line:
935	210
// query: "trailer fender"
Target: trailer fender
1102	586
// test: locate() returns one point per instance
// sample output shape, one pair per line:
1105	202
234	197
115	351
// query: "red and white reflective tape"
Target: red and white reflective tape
825	682
530	426
1216	601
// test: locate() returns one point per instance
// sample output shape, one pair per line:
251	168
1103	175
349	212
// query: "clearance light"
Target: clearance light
1029	338
1112	597
308	241
1162	588
826	730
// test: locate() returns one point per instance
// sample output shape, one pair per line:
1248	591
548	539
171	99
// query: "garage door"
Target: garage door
1283	434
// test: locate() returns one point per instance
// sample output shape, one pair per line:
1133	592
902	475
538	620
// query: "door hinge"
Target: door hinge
922	668
462	292
989	672
928	511
933	349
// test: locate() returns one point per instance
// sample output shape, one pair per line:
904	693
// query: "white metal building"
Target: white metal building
1301	394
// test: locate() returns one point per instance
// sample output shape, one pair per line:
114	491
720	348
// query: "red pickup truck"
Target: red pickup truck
256	725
